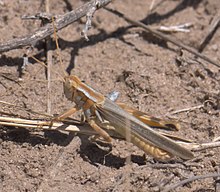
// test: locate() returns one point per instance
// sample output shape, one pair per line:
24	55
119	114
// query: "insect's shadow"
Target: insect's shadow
23	135
100	153
89	151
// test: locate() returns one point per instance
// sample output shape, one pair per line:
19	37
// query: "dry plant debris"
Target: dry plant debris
157	79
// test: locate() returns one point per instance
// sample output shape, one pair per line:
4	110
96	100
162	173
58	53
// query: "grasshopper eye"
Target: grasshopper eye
68	89
66	84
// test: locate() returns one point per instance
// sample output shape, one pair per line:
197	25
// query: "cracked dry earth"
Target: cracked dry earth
147	71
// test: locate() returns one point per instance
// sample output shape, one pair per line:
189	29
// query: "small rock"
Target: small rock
214	47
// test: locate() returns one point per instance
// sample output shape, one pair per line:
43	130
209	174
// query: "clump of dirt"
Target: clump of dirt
149	74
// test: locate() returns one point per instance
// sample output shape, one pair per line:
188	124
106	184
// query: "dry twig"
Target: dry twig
76	126
217	181
69	126
187	109
175	28
60	22
49	62
26	123
89	16
154	5
212	29
200	146
183	182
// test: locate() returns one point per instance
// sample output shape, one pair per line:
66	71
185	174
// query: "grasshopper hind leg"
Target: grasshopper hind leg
150	120
99	130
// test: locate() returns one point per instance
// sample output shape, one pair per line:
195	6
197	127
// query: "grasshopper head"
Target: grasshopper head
70	86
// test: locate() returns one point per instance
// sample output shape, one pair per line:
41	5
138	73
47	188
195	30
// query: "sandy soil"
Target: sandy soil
148	72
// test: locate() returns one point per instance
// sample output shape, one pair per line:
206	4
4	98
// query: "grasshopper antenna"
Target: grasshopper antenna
42	63
58	48
58	53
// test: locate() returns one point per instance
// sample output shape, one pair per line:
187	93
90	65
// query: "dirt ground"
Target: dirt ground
147	71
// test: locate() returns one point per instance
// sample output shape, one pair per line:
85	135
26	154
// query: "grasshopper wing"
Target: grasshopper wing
125	123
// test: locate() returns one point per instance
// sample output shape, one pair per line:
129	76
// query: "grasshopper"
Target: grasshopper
99	109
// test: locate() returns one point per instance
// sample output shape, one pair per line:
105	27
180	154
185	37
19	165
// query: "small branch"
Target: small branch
70	126
49	62
25	123
154	5
199	146
217	181
89	16
183	182
175	28
191	108
204	146
187	109
60	22
75	126
44	17
212	29
216	139
49	66
151	6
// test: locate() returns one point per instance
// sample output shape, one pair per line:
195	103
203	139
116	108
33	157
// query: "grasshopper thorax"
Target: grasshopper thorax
77	91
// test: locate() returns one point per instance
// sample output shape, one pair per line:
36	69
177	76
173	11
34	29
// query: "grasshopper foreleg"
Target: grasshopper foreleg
63	116
60	117
66	114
